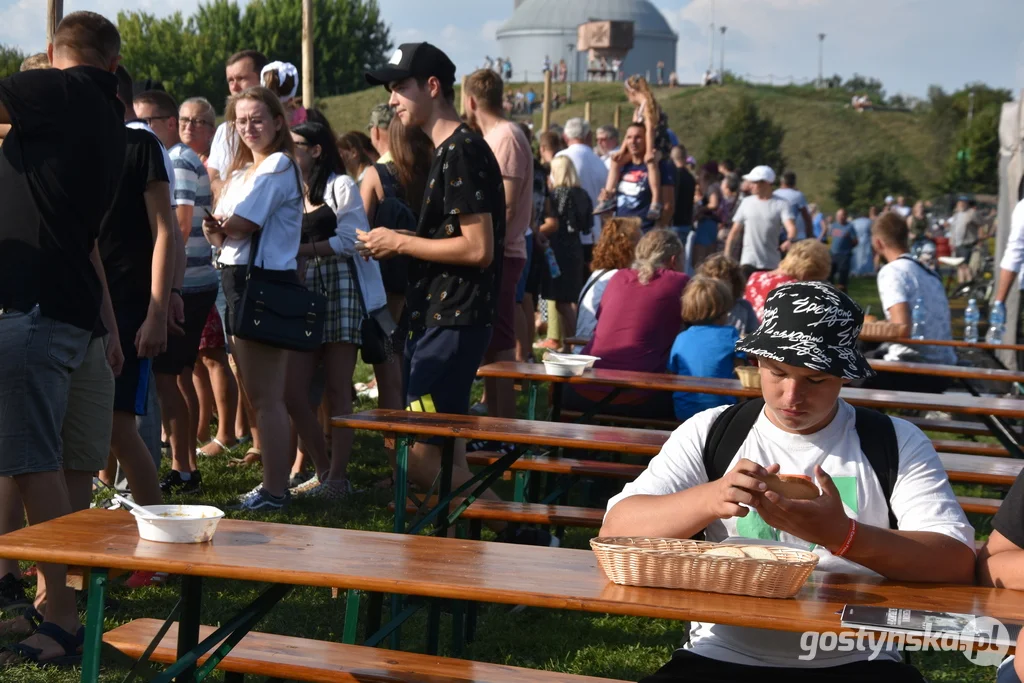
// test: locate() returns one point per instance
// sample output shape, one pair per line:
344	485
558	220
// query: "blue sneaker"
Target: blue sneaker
258	500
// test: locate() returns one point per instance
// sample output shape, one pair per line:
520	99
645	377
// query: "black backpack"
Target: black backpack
877	441
395	213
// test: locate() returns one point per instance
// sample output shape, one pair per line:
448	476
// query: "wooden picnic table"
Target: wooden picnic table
955	343
650	381
553	578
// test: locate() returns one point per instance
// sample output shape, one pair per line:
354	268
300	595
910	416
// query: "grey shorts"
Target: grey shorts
37	357
87	424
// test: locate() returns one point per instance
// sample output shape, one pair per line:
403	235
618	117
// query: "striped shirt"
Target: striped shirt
192	188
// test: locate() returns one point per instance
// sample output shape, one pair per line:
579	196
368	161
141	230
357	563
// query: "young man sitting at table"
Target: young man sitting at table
806	348
1001	564
903	281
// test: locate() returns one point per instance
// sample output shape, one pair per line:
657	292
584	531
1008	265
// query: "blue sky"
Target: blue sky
908	44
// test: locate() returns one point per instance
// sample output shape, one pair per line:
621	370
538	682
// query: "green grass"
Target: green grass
821	132
618	647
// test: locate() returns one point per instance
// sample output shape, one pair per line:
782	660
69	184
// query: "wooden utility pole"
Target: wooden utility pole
545	117
618	116
54	13
586	111
308	93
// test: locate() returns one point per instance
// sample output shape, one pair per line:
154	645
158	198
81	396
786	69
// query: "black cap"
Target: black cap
420	60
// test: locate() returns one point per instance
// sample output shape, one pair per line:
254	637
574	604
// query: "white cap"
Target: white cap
761	174
889	200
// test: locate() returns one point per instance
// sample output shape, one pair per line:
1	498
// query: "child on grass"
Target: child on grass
707	347
659	145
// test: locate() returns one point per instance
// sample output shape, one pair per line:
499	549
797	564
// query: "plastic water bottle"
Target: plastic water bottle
918	318
996	323
972	316
552	262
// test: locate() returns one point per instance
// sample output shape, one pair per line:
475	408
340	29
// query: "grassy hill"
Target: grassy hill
821	131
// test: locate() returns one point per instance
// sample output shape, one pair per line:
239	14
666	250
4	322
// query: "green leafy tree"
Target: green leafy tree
162	49
748	138
10	60
867	180
973	164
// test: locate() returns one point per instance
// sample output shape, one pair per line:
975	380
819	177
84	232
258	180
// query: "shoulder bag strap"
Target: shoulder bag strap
590	284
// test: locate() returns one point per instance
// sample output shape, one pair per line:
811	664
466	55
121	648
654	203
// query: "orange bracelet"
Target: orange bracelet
849	539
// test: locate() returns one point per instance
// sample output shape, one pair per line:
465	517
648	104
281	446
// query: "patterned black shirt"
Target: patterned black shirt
464	179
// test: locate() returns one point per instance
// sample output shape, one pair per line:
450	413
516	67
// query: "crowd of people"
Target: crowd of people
182	251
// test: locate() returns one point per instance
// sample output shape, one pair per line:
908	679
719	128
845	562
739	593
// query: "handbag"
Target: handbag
285	315
377	344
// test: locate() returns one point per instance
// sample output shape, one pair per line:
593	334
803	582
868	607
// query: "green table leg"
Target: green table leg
531	406
188	626
348	635
401	482
94	626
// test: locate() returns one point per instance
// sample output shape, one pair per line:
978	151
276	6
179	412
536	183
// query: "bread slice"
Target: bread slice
793	486
725	551
758	552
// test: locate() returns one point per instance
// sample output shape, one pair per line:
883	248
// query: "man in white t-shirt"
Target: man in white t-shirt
903	283
807	351
1013	257
797	203
242	72
759	222
589	168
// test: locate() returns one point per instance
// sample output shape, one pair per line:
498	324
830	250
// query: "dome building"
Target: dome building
549	27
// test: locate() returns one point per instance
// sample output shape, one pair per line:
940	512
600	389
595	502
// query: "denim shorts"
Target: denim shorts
37	357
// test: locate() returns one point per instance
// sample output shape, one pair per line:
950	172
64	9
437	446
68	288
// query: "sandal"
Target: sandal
224	448
251	457
72	645
31	615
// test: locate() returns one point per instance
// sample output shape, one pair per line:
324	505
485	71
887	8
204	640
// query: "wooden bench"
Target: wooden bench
287	657
570	466
970	448
949	426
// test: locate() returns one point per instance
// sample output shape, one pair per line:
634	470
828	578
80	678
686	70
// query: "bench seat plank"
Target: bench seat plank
979	469
970	448
287	657
544	463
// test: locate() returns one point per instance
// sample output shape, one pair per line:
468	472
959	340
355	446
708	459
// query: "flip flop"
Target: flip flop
256	456
72	645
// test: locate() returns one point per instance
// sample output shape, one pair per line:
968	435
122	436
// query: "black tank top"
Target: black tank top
318	225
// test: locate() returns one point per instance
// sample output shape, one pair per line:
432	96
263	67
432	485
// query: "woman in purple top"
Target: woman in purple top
637	322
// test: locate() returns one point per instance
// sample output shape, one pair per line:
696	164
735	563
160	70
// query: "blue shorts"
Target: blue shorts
707	232
440	365
521	287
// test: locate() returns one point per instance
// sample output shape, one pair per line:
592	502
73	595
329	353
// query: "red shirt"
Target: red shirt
760	284
637	324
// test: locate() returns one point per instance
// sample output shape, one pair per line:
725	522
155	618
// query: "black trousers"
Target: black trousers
686	667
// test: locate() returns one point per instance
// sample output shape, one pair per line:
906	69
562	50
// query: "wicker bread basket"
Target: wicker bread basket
750	376
684	564
879	330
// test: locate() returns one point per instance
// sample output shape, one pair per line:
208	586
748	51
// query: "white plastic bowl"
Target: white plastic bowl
179	523
565	368
572	358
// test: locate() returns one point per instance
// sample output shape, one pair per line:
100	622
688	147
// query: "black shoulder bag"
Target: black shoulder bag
377	344
286	315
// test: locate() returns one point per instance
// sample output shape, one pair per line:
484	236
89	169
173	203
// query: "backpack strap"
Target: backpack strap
727	434
387	180
878	442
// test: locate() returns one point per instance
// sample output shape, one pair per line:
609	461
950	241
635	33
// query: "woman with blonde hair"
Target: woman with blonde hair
721	267
568	213
639	319
807	260
260	208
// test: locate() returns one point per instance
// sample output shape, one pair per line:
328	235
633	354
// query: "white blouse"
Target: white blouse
269	197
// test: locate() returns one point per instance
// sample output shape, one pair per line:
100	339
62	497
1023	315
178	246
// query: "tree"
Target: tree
10	60
867	180
973	164
748	138
188	55
863	85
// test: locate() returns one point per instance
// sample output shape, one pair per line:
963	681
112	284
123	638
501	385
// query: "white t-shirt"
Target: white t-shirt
762	225
593	174
903	281
796	201
586	317
903	211
222	150
270	198
1013	258
922	500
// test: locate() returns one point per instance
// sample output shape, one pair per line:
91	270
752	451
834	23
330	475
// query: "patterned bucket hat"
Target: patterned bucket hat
811	325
